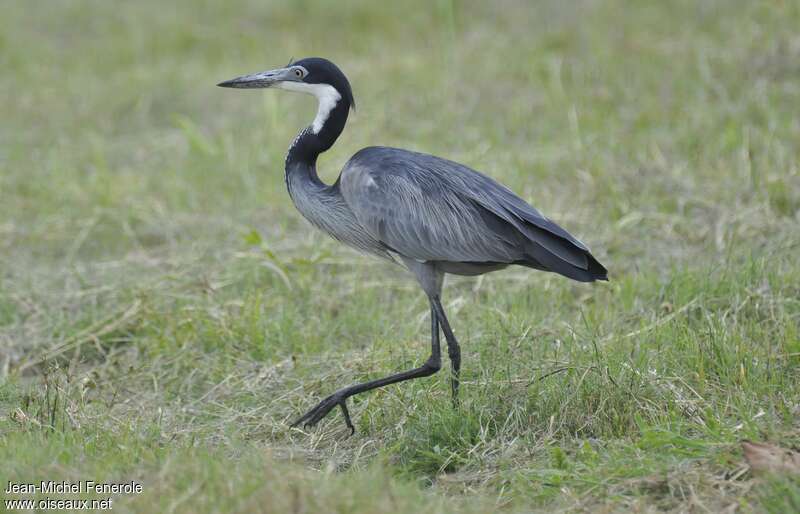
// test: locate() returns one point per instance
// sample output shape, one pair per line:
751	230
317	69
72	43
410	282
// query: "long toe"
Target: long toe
312	417
301	419
308	419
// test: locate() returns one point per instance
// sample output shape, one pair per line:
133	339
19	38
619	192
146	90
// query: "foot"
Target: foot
455	380
312	417
454	389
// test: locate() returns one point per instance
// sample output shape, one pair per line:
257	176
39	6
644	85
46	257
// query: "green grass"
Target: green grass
164	310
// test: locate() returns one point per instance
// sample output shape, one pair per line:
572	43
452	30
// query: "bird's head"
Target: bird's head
312	75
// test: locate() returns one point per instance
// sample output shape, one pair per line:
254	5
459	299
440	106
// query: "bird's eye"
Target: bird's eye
298	73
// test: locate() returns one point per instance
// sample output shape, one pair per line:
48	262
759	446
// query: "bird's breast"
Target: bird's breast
324	207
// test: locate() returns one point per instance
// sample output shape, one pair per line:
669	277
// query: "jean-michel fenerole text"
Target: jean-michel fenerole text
80	486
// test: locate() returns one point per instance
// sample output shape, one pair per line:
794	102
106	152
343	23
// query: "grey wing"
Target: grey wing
422	218
428	208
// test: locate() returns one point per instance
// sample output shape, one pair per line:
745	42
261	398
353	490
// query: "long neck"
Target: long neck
318	137
308	192
315	200
320	204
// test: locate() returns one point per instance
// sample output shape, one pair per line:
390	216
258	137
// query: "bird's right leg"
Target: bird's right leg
453	348
431	366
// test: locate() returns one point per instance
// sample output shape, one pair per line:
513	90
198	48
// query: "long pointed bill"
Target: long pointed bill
261	80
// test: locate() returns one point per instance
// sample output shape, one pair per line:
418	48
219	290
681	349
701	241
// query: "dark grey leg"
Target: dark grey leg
453	349
431	366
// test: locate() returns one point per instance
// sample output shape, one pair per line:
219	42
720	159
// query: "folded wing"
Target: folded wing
431	209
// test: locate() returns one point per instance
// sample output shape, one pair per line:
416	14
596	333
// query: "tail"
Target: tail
598	271
548	262
570	258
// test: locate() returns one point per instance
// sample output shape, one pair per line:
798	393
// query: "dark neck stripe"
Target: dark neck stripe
307	146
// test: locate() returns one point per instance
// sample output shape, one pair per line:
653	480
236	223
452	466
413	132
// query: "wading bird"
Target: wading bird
432	215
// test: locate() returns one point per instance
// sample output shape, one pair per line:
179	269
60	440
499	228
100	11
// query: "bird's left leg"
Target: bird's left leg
453	348
431	366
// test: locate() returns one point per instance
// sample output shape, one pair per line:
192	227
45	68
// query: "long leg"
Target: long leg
453	349
431	366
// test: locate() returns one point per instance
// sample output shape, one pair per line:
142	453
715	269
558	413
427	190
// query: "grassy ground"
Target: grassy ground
164	311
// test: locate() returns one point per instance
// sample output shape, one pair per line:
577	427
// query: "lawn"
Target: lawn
165	312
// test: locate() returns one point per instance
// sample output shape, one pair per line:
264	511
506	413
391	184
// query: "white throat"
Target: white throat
327	96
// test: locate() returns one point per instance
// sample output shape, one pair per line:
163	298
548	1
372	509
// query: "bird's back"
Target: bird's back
431	209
